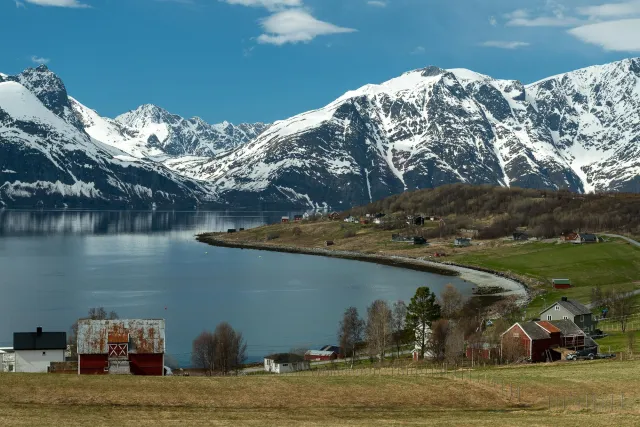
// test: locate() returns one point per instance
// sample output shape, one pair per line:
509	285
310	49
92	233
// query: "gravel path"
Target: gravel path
633	242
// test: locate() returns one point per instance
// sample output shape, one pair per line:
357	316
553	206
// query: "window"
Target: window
516	335
557	308
565	317
548	317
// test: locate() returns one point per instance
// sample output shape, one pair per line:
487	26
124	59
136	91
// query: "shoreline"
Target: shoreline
482	278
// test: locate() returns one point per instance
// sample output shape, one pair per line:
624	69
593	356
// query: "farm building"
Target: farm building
328	352
297	218
7	359
561	283
482	351
284	219
328	242
541	341
583	238
123	346
567	309
34	351
462	242
518	235
282	363
351	219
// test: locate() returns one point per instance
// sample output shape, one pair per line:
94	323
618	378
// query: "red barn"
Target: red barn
541	341
123	346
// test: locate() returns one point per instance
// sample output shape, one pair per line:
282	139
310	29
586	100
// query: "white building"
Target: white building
285	362
416	350
34	351
7	359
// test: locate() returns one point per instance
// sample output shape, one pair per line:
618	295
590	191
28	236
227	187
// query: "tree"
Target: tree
297	231
454	345
203	352
94	313
631	340
379	319
422	310
621	305
230	348
437	341
451	302
596	296
350	331
398	324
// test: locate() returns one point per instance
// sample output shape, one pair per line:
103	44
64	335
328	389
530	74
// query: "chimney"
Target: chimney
39	331
564	298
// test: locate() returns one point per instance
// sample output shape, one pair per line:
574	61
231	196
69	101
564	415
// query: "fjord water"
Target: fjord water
54	265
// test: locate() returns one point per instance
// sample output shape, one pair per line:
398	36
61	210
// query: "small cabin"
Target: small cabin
561	283
328	242
297	218
285	220
231	230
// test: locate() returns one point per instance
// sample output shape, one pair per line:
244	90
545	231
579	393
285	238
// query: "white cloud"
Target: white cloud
612	10
493	21
19	4
621	35
418	50
504	44
39	60
267	4
377	3
57	3
295	26
551	15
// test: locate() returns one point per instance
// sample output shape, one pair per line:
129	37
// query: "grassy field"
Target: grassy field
34	399
614	263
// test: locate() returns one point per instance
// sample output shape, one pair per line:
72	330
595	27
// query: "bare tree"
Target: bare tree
203	352
451	302
230	348
350	331
94	313
379	319
596	296
512	349
620	304
437	341
454	345
631	340
398	324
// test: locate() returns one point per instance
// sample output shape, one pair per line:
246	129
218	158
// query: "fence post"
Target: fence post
549	402
621	401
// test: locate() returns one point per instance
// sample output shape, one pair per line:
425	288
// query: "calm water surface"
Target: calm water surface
55	265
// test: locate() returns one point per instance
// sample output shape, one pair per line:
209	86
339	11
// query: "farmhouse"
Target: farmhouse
541	341
34	351
583	238
282	363
567	309
7	359
123	346
462	242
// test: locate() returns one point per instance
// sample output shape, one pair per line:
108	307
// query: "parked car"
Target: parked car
587	353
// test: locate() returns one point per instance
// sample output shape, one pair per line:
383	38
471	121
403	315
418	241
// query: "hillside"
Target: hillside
340	399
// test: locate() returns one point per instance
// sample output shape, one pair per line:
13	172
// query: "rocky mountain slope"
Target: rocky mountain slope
428	127
578	131
47	159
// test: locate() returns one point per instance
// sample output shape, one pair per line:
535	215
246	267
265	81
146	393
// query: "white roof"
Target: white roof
320	353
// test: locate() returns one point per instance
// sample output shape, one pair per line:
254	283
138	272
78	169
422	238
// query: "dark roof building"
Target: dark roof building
573	306
39	340
285	358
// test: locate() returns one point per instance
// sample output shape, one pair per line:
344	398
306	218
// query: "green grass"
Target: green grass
614	263
618	342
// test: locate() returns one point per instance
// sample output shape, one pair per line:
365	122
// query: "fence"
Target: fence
612	324
587	401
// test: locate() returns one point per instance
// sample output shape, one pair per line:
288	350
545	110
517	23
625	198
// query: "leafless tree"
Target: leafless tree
451	302
454	345
631	340
230	349
399	329
297	231
596	296
203	352
94	313
379	325
512	349
350	331
436	344
620	303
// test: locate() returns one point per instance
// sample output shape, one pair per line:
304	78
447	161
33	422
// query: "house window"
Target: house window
516	335
548	317
565	317
557	308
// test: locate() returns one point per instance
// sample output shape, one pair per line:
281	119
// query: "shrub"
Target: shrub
297	231
349	233
273	236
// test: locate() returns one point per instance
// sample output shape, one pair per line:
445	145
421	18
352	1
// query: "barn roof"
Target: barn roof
285	357
534	331
320	353
567	327
43	341
143	335
547	326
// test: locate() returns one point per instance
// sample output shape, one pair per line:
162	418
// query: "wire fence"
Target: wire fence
614	324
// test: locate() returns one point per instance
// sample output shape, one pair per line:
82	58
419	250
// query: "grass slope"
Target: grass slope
37	399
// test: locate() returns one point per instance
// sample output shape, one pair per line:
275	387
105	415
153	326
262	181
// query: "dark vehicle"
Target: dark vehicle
587	353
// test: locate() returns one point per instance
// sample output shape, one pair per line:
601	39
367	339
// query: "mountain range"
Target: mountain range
578	131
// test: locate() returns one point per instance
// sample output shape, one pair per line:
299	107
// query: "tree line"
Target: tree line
545	213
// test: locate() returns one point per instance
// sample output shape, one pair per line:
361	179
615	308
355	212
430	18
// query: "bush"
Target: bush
349	233
272	236
297	231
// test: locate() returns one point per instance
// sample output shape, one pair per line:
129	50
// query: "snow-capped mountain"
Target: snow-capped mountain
428	127
47	159
151	132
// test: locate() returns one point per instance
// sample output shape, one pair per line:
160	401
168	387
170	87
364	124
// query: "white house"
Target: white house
7	359
34	351
416	350
285	362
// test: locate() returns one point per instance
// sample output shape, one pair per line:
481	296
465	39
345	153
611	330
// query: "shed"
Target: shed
122	346
462	242
328	242
231	230
297	218
34	351
284	219
281	363
561	283
519	235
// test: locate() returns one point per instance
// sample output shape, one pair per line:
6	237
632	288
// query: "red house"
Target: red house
561	283
123	346
542	341
284	220
328	352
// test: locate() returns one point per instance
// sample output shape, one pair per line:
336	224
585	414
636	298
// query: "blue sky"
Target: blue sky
264	60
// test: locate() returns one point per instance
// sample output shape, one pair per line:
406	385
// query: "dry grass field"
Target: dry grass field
68	400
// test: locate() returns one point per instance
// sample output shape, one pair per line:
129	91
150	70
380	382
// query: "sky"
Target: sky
267	60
